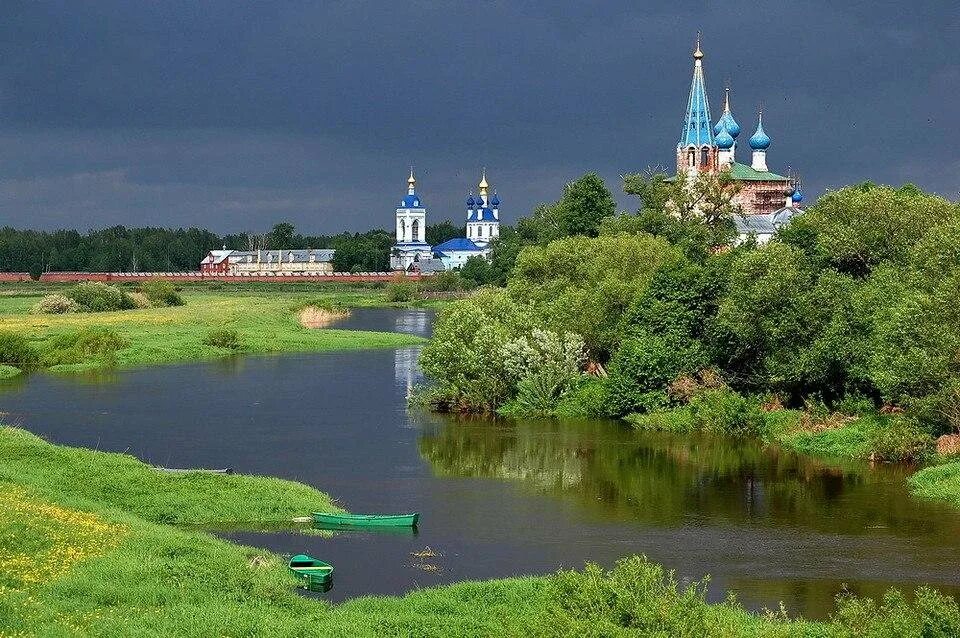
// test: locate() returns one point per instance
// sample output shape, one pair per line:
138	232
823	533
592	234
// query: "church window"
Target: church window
416	230
481	231
704	156
692	158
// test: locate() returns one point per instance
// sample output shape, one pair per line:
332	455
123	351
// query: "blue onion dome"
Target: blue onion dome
731	125
760	141
724	140
495	201
470	202
797	196
720	125
411	201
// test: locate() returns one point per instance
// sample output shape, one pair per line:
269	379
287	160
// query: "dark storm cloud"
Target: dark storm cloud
234	115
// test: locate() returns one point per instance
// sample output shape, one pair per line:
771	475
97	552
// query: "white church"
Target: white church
411	252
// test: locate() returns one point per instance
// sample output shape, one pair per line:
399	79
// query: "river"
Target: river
501	498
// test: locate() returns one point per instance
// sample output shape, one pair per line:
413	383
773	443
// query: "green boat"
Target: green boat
315	574
366	520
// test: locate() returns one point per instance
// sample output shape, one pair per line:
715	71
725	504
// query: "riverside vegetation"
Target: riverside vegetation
94	325
100	544
840	336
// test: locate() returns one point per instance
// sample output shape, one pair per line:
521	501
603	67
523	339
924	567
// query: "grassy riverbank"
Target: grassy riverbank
90	549
262	316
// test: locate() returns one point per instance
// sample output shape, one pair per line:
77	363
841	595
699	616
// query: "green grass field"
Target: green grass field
264	317
91	546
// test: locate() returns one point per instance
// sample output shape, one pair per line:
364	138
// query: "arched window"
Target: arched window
692	158
403	229
416	230
481	231
704	156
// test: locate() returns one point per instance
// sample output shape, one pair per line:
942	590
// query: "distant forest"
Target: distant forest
121	249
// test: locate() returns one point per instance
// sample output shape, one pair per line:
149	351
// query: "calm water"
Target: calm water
503	499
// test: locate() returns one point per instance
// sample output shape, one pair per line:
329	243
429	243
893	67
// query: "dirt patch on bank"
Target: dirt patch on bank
313	317
948	444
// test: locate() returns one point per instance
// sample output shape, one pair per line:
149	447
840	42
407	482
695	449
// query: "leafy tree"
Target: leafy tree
438	233
585	285
584	203
282	236
476	271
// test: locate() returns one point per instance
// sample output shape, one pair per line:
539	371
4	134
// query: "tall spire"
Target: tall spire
483	184
697	129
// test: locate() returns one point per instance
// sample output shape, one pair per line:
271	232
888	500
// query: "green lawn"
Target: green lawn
90	547
264	317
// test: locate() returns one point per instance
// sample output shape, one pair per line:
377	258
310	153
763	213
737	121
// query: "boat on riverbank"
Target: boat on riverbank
366	520
315	574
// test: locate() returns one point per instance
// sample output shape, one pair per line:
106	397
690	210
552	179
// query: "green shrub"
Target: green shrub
589	397
16	351
446	281
400	290
8	372
93	296
223	338
84	346
643	368
899	439
675	420
161	293
55	305
725	411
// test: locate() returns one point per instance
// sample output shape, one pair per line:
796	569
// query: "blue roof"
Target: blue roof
697	130
724	139
411	201
458	243
481	215
470	201
760	141
495	201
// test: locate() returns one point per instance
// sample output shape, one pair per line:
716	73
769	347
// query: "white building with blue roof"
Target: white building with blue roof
411	218
483	214
411	252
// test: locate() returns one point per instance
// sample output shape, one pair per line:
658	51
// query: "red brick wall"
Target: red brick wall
108	277
14	276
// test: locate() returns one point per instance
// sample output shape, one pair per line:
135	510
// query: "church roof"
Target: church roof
746	173
461	244
697	126
481	215
411	201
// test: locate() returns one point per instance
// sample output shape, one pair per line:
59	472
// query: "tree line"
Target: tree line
150	249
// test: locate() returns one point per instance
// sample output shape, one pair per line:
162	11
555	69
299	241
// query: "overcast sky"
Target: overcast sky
234	115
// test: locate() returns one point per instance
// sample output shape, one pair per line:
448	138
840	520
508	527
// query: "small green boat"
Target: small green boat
315	574
366	520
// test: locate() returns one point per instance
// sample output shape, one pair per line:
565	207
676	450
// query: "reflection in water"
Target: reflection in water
405	368
616	473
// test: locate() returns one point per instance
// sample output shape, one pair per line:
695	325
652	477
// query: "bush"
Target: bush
899	439
222	338
8	372
16	351
588	398
55	305
727	412
400	289
84	346
93	296
643	368
161	293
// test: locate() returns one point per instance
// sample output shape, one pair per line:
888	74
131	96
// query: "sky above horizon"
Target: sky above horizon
236	115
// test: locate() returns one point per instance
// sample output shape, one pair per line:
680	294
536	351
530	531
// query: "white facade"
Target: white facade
483	215
411	230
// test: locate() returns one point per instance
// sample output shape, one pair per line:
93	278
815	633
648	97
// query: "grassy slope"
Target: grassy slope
84	555
941	482
264	319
